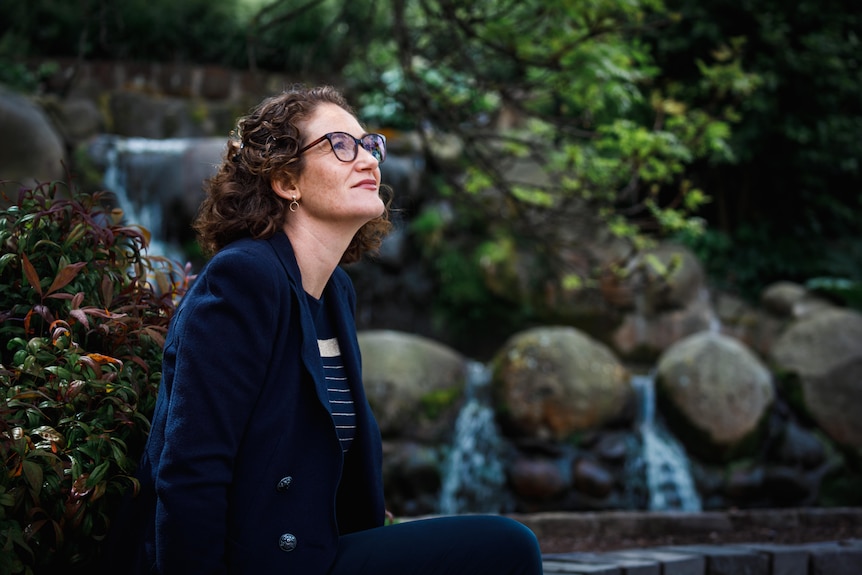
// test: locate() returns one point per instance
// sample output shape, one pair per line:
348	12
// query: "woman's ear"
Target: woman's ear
284	189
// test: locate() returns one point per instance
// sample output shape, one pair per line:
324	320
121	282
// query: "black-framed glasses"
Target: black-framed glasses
345	146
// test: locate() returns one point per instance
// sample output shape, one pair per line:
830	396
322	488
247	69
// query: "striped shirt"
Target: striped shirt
337	385
340	397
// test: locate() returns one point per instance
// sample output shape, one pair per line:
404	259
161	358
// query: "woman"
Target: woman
264	456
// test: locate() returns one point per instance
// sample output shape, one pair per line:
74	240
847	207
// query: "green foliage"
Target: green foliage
80	343
161	30
758	254
798	152
560	113
316	37
845	291
465	306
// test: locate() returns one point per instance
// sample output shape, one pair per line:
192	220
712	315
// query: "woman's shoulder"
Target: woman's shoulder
245	264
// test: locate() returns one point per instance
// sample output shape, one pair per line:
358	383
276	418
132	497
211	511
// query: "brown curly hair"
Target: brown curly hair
239	198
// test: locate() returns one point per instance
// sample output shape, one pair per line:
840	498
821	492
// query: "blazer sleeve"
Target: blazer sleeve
216	360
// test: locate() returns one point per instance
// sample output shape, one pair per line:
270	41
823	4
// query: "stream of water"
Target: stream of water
669	480
474	477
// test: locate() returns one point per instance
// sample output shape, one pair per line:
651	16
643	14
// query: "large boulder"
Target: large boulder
552	382
31	150
715	393
415	385
819	361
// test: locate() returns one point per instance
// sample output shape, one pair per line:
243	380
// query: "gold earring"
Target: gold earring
294	205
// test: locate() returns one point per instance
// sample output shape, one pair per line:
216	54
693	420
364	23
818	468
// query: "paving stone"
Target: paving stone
835	558
783	559
633	566
579	568
727	559
627	565
672	562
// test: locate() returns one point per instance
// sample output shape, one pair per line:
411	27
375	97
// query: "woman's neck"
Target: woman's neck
318	251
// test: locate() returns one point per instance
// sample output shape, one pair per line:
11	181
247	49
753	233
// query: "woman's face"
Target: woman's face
329	190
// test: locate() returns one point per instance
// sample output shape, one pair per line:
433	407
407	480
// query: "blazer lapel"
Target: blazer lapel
310	351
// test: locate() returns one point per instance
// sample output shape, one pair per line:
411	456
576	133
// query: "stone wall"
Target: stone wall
217	83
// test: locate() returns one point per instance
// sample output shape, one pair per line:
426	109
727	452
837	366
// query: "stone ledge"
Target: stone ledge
649	524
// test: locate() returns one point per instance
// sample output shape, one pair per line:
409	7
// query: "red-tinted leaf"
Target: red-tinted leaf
80	316
61	295
107	290
31	274
79	487
104	359
137	360
157	336
91	363
65	275
103	313
44	313
27	321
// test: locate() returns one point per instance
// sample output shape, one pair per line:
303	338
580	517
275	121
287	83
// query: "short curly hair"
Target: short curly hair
239	198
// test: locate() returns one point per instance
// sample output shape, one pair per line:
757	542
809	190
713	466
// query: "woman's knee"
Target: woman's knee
512	542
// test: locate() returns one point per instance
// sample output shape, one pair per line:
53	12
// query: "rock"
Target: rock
538	479
819	362
799	447
780	297
715	394
786	485
592	478
756	328
552	382
745	485
665	278
77	119
791	300
414	385
643	338
612	447
411	477
31	150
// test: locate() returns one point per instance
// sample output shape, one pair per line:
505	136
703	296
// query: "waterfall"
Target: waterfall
144	211
158	183
473	477
668	474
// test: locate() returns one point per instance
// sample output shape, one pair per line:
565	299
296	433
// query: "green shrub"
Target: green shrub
83	314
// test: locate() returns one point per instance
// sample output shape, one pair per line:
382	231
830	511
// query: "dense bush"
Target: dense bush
84	311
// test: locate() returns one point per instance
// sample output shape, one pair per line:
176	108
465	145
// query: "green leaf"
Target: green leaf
98	474
33	475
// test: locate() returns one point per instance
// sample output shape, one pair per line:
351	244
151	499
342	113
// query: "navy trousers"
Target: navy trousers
458	545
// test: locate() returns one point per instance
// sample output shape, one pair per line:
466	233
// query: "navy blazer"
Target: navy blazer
243	470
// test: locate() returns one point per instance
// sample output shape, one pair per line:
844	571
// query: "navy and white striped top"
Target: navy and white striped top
340	396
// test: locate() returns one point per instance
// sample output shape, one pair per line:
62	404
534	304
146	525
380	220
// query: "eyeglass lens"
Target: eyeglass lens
346	146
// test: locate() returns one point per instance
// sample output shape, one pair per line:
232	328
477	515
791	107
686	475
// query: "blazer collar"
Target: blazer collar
341	315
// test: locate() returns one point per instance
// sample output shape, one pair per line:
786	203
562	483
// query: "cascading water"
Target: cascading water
474	478
143	212
668	474
157	183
